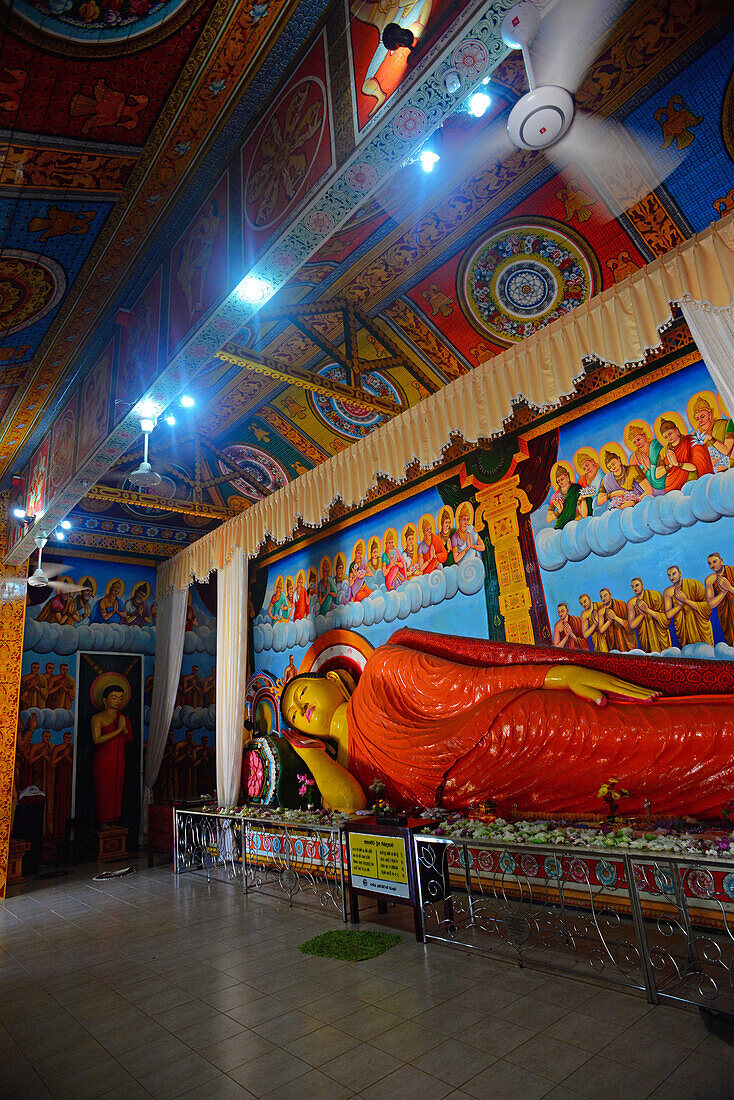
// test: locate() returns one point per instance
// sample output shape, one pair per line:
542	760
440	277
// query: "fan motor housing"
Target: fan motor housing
540	118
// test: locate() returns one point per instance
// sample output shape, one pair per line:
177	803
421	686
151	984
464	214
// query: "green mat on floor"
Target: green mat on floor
354	946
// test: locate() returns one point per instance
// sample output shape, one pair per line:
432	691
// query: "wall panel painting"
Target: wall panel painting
199	265
38	480
62	446
634	537
139	347
95	404
376	71
290	151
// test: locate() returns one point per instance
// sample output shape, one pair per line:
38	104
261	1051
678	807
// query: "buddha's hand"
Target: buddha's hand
587	683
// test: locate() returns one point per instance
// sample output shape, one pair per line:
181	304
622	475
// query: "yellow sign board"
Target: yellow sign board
379	864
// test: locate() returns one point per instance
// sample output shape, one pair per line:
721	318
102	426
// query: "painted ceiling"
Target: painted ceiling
155	154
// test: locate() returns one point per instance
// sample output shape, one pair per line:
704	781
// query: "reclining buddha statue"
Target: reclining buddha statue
454	722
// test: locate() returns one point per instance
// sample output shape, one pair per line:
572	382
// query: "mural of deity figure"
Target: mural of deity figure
623	485
465	540
645	451
358	589
432	551
137	609
326	590
195	257
412	15
681	459
410	556
393	565
446	532
300	604
716	434
590	481
110	608
564	502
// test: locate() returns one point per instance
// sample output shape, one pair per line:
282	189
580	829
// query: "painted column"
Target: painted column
12	622
497	506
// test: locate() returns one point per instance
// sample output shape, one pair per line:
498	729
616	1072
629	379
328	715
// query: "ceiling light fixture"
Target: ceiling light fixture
478	104
428	158
66	525
145	476
170	419
452	81
252	289
59	536
187	402
20	514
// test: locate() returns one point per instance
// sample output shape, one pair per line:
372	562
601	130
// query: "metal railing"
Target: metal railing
301	863
658	924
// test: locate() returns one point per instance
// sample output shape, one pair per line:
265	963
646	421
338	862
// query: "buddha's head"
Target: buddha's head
310	701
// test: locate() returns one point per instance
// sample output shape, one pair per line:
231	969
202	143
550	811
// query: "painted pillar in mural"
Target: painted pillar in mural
498	505
12	619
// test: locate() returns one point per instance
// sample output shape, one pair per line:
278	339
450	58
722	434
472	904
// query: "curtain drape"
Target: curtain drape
231	674
618	326
713	332
169	642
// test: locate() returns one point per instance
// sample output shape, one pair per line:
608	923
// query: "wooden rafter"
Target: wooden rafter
307	380
149	500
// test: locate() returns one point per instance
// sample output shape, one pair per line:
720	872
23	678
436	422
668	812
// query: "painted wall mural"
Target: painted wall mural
76	646
138	346
421	560
634	537
94	408
198	272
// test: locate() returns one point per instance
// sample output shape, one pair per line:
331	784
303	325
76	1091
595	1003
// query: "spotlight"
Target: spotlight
452	81
20	513
147	424
428	158
147	411
170	419
59	536
187	402
252	289
66	524
479	103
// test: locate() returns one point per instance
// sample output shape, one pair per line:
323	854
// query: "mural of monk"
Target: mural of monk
111	733
62	690
646	614
452	722
568	631
613	623
686	605
33	688
590	624
720	594
193	688
62	762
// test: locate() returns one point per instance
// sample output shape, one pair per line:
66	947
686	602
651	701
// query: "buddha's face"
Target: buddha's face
640	441
309	704
445	526
427	531
564	481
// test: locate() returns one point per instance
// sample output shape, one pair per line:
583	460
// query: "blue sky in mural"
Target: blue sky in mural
449	601
706	173
690	540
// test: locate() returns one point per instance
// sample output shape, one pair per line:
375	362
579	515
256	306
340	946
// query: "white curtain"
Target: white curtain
713	332
231	674
169	642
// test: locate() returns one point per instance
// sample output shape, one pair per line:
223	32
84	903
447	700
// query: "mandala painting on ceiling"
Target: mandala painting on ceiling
350	420
30	286
264	474
522	277
96	24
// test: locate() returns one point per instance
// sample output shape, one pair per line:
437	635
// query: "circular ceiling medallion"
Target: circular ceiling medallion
261	468
410	123
353	421
471	58
94	24
30	286
522	277
361	177
285	153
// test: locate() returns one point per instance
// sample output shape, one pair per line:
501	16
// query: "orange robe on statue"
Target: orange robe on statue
108	769
442	733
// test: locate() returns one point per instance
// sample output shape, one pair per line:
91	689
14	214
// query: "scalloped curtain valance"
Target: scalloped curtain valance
618	326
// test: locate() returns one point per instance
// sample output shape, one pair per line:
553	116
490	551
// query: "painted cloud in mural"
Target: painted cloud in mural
49	719
703	501
424	590
45	637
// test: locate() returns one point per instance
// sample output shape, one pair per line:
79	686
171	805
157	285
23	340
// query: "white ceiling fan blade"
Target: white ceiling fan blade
64	586
571	36
625	164
52	569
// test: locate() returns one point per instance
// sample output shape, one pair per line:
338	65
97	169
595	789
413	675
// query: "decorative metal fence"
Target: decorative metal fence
303	864
663	925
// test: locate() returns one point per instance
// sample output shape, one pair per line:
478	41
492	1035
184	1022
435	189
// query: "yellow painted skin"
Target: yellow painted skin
318	708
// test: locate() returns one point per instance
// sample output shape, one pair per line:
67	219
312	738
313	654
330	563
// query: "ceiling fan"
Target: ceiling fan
547	121
43	577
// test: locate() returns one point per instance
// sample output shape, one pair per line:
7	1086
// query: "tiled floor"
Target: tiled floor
146	986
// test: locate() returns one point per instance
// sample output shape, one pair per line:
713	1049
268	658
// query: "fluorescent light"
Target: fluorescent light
252	289
171	419
428	158
479	103
187	402
147	425
66	525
